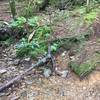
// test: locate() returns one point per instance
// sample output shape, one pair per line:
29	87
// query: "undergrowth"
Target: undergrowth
34	43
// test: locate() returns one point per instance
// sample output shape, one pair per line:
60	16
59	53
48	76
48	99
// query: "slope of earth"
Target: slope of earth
36	87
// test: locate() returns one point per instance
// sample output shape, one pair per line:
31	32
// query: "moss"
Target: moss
85	68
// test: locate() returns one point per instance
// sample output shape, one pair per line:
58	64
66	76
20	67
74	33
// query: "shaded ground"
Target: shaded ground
55	87
36	87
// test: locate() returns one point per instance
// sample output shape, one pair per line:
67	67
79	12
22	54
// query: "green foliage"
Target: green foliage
85	67
35	47
7	42
13	8
90	17
33	21
32	6
54	47
43	32
24	48
19	22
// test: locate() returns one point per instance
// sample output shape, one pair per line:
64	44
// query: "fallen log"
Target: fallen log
19	77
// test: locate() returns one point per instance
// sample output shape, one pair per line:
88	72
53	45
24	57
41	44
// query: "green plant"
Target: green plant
33	21
12	8
90	17
19	22
43	32
84	68
34	47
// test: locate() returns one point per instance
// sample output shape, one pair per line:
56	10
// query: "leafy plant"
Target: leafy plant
90	17
43	32
19	22
34	47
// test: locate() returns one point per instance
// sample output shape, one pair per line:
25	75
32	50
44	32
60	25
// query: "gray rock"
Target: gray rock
16	62
2	71
64	73
47	73
15	98
24	94
27	59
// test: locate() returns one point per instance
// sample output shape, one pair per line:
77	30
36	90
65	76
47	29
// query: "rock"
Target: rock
5	55
27	59
63	54
26	63
10	62
4	94
2	71
47	72
16	62
64	73
24	94
29	80
15	98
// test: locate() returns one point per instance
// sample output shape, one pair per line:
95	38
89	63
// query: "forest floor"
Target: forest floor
37	87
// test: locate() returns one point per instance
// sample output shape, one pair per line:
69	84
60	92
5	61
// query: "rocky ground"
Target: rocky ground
37	87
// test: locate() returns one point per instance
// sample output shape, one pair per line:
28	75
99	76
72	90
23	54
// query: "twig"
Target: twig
19	77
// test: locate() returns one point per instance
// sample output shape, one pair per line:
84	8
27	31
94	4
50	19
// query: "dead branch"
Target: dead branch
19	77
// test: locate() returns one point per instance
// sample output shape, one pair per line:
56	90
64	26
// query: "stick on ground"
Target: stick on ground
19	77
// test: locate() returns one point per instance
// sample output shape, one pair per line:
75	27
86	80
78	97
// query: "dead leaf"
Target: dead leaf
31	36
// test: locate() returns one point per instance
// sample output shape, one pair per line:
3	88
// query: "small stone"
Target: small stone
29	81
63	54
24	94
64	73
2	71
35	93
16	62
10	62
47	73
15	98
27	59
84	88
5	55
4	94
